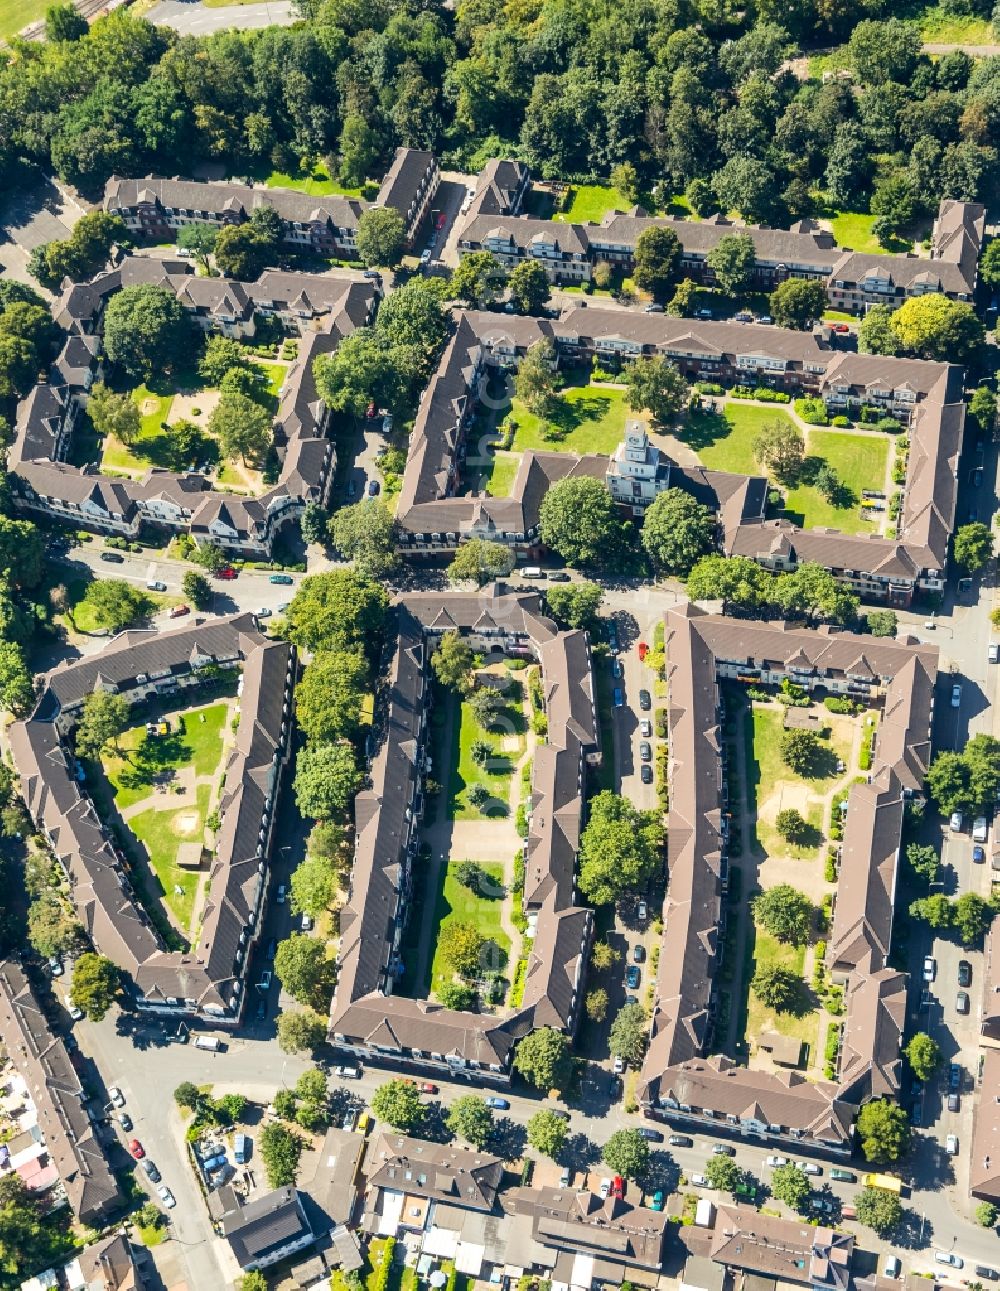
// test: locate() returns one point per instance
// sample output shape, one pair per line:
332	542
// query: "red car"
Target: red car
137	1150
426	1087
643	650
227	572
841	327
442	220
618	1187
179	611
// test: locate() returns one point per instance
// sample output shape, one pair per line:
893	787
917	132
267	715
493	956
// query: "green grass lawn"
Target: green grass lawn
765	768
588	419
455	903
15	14
725	443
860	462
191	742
838	316
162	833
854	229
496	775
153	442
318	181
276	373
940	28
804	1023
590	203
498	477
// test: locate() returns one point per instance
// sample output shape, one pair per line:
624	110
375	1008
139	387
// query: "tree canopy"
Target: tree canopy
146	330
620	848
785	912
381	237
544	1058
579	521
397	1102
676	531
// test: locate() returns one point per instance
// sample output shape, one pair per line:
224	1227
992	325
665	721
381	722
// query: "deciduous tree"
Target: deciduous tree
732	261
146	330
676	531
544	1058
529	287
790	1184
627	1153
785	912
479	279
578	519
780	450
329	696
924	1054
482	561
200	240
381	237
879	1209
338	610
657	253
197	589
547	1132
620	848
776	988
242	427
471	1119
629	1034
461	946
303	968
935	327
300	1031
397	1102
575	604
884	1130
655	384
973	546
326	779
104	718
280	1149
114	414
797	303
537	382
452	663
96	984
803	751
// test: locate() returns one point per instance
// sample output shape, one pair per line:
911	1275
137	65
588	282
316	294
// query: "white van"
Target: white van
208	1042
532	571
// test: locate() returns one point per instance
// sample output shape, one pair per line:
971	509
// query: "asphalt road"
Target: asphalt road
190	18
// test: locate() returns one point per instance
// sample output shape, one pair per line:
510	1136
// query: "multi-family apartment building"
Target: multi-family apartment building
679	1080
207	979
854	282
755	1249
410	186
68	1135
435	515
367	1017
321	309
154	209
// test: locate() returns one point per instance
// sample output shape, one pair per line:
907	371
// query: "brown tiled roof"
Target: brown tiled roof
984	1165
442	1172
70	1138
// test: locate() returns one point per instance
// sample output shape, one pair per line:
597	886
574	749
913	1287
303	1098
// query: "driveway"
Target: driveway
31	214
193	19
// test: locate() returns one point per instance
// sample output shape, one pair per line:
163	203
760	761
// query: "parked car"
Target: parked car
264	612
226	573
632	977
125	1121
984	1271
280	898
810	1167
373	488
980	830
642	911
260	1013
618	1065
265	981
55	966
700	1181
559	576
955	821
964	973
657	1201
427	1087
617	670
499	1104
152	1174
949	1258
646	773
843	1176
979	854
954	1102
645	728
962	1002
75	1013
723	1150
306	923
650	1135
618	697
681	1141
638	954
604	1190
272	949
618	1186
892	1267
166	1196
113	557
930	968
347	1071
566	1178
773	1161
137	1150
116	1097
956	696
994	652
179	611
645	751
284	580
840	328
954	1076
645	702
951	1145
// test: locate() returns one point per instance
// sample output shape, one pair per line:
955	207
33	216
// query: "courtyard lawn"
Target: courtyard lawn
507	740
804	1022
589	203
725	443
153	443
455	903
498	477
860	461
276	373
587	419
190	743
162	833
774	785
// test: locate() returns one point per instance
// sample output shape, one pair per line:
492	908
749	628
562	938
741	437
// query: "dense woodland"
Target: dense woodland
697	97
